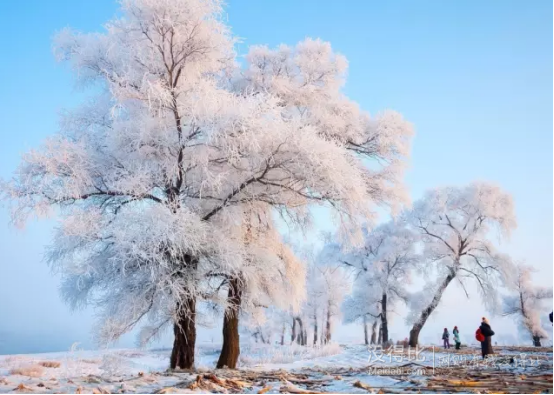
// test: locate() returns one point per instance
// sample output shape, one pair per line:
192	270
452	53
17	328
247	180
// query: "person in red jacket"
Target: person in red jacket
486	345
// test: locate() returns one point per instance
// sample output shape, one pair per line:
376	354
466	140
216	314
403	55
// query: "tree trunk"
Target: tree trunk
384	322
182	355
283	335
328	326
184	327
414	332
322	330
231	341
537	341
380	335
374	332
366	340
315	329
293	331
300	336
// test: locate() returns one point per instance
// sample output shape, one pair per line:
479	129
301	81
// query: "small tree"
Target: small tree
266	324
525	303
326	287
336	285
364	305
313	307
455	225
383	269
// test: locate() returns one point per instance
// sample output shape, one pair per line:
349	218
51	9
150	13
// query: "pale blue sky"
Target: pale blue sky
474	77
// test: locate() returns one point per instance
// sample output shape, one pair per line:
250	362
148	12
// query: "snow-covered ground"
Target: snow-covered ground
336	367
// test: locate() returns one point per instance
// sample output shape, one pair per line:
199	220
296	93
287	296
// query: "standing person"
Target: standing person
456	334
487	332
446	338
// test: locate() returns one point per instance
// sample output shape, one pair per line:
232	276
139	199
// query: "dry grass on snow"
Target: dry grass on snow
50	364
28	370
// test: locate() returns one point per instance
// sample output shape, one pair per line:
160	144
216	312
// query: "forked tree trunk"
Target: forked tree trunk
414	332
384	322
366	340
380	335
537	341
182	355
231	341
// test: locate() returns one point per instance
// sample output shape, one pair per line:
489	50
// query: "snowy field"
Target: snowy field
266	369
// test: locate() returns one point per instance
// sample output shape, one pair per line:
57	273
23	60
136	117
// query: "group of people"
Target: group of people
446	337
483	334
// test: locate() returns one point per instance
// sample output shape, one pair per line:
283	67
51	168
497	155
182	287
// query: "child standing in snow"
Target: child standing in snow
446	338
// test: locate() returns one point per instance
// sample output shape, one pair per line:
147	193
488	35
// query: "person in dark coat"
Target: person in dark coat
446	338
486	346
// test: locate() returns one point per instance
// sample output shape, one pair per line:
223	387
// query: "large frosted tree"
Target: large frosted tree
156	174
456	225
525	301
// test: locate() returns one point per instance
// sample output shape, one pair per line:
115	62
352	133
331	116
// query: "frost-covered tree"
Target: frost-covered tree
526	302
363	305
311	314
326	287
267	325
335	283
383	268
155	176
315	305
455	225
